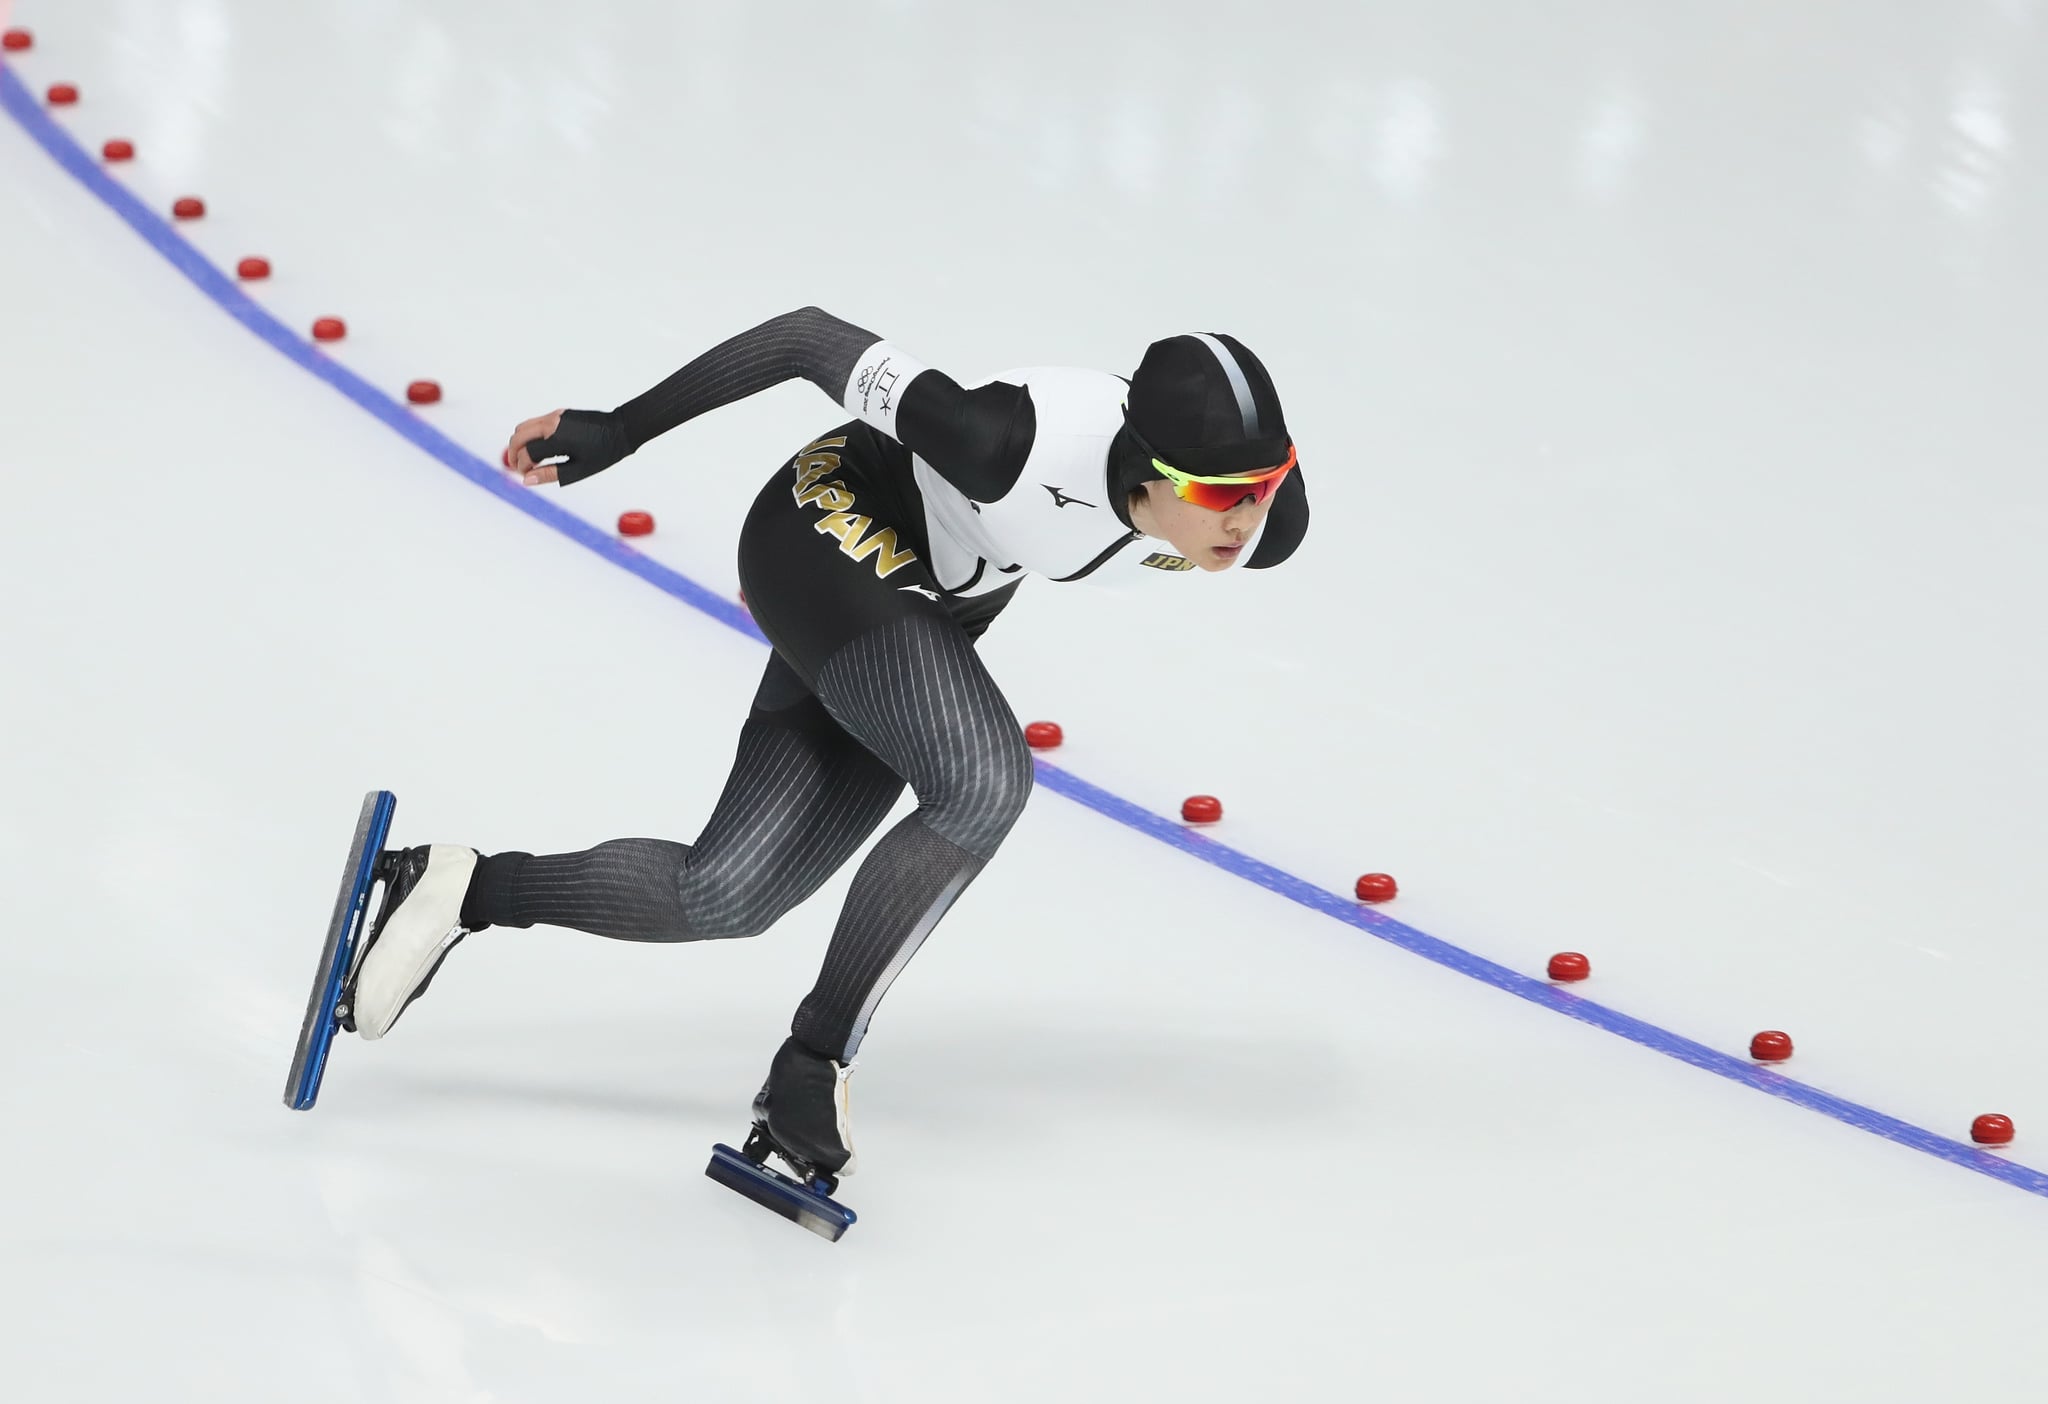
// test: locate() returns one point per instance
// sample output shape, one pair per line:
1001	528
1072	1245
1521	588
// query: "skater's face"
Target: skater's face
1212	540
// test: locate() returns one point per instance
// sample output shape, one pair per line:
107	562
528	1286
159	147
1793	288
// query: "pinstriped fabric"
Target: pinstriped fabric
909	701
902	889
917	696
915	693
807	343
799	800
879	986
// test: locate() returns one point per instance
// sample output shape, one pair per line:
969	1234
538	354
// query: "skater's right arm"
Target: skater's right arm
977	439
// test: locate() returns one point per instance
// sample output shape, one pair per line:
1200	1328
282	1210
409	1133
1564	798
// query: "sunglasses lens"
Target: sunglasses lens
1221	497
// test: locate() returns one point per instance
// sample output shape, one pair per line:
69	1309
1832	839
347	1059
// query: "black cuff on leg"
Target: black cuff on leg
489	899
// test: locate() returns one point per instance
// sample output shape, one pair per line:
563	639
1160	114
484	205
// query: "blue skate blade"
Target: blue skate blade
771	1189
316	1034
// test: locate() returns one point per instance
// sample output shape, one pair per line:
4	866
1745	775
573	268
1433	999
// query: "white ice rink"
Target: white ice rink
1668	382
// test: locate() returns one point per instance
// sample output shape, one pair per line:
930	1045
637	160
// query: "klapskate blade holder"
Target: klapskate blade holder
771	1189
337	956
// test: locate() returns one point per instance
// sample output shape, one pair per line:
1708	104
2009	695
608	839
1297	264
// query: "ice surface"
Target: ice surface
1666	379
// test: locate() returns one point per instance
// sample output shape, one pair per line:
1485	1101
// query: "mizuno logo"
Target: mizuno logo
929	594
1060	499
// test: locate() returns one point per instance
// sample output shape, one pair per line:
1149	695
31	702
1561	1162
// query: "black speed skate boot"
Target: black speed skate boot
802	1111
801	1116
419	923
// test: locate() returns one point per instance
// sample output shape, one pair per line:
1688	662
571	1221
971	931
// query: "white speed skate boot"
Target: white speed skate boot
419	923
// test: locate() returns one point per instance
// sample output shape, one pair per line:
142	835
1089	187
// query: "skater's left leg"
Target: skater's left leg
801	796
417	925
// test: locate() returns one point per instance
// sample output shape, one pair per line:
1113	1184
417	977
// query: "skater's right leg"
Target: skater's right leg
894	662
916	693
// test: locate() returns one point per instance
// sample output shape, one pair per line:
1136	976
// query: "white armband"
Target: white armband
875	389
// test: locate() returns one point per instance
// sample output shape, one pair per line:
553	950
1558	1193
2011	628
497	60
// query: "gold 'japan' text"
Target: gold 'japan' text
815	487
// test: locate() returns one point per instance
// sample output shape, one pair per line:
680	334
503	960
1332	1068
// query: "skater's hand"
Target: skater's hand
586	442
520	461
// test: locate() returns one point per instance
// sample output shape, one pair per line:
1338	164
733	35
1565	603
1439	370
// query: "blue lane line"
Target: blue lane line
1541	992
161	236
